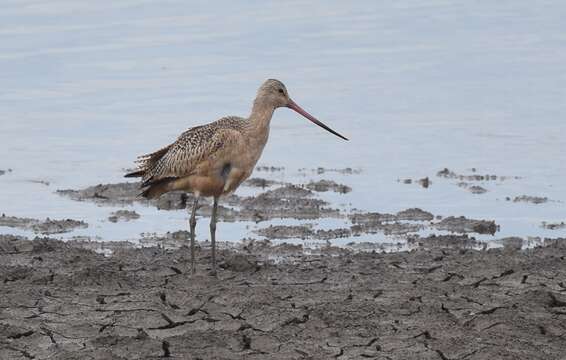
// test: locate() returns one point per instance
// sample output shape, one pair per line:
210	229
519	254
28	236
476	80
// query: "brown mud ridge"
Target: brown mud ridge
62	301
45	227
285	201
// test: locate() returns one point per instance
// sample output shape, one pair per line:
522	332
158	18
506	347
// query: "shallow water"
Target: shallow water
88	86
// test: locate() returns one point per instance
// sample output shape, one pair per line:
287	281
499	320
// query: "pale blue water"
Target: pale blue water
417	86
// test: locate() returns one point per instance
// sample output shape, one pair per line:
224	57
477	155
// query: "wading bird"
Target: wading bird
214	159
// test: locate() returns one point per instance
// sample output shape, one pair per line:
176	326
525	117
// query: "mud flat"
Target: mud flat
61	300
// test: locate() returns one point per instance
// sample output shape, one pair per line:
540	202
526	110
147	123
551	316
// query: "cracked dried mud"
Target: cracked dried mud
63	301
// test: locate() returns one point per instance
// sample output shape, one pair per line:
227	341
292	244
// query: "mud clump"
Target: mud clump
286	232
260	183
328	185
512	243
553	226
339	233
474	189
414	214
321	170
444	241
168	240
449	174
123	215
266	168
531	199
402	223
126	194
372	223
62	301
285	202
465	180
555	242
302	232
465	225
424	182
371	218
46	226
111	194
393	228
477	189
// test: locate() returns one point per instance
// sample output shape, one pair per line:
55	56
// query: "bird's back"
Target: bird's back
193	147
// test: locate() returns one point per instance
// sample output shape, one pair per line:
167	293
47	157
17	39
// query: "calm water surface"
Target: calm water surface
417	86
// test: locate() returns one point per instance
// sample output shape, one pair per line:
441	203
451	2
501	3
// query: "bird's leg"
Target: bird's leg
193	224
213	234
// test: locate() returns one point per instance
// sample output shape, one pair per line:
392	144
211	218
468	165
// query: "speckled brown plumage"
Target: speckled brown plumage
181	158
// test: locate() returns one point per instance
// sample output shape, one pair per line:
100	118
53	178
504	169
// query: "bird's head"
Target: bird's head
274	93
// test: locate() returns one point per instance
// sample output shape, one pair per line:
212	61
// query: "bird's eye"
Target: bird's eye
281	91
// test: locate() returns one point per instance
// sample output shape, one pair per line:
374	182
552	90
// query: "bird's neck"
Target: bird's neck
260	118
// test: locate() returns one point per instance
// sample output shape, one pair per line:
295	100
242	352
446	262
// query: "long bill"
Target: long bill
293	105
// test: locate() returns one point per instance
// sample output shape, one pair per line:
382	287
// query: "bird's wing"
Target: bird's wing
188	151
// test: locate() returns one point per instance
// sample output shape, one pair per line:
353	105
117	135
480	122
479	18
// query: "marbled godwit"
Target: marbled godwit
214	159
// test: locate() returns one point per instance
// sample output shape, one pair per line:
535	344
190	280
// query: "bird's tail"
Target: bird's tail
138	173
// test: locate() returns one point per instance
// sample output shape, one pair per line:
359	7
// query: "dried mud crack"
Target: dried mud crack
62	301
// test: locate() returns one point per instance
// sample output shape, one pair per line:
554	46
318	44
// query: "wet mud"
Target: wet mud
61	300
45	227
